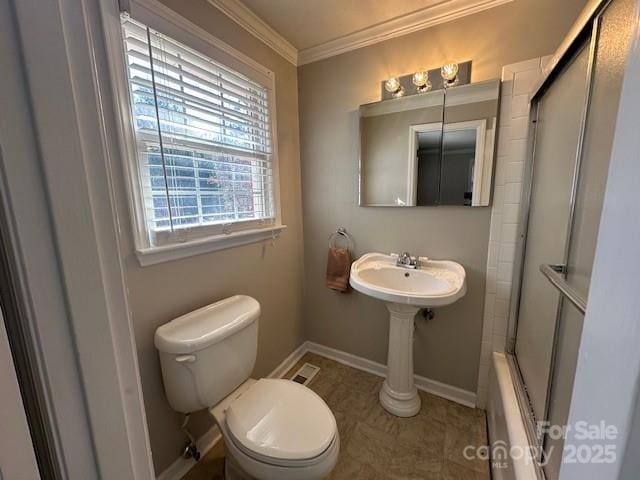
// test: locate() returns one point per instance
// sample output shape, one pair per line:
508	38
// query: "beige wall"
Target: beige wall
447	347
274	275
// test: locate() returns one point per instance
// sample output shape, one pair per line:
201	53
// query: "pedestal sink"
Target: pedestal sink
405	291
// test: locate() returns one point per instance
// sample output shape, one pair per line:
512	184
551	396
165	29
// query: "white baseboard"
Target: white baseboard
449	392
289	362
182	465
455	394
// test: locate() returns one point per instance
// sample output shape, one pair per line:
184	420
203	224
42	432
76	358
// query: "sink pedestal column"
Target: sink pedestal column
398	394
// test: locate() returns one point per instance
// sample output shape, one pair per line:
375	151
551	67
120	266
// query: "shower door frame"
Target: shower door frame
584	34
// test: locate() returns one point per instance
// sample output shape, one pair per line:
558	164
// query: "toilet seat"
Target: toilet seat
240	466
245	463
282	463
282	423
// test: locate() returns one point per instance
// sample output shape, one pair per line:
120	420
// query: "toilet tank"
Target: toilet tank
208	353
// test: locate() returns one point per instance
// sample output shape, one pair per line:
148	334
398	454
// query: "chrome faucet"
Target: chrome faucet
407	261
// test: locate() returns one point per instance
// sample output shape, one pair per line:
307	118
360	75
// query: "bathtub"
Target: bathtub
507	434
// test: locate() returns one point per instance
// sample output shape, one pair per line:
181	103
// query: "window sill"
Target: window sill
166	253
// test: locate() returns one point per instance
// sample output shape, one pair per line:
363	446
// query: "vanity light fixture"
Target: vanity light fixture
393	87
425	80
421	81
449	73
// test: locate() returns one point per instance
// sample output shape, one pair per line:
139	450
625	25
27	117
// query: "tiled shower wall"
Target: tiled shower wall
518	82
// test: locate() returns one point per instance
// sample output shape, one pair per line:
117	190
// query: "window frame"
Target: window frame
200	239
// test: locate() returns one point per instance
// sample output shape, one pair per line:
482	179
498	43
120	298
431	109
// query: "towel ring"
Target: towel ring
341	232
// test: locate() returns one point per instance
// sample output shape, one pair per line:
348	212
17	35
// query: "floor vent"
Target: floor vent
305	374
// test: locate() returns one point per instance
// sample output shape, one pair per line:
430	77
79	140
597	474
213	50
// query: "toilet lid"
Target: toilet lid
281	419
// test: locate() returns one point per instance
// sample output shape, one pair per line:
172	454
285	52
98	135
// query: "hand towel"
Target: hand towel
338	269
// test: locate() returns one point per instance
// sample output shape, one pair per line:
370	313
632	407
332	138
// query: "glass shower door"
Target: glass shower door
613	32
558	137
576	119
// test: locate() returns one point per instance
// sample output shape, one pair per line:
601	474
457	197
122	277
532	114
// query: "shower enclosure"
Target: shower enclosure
572	125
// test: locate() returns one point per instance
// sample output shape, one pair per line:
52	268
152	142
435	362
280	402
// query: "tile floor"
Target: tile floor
375	445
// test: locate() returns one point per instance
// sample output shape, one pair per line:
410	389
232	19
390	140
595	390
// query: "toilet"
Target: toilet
273	429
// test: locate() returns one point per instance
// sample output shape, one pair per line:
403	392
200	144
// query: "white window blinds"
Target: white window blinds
203	137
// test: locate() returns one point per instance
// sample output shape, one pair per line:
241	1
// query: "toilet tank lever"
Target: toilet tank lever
186	358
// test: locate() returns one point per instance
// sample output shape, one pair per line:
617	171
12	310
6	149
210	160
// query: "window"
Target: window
203	141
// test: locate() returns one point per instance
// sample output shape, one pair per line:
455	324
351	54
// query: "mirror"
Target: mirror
387	178
436	148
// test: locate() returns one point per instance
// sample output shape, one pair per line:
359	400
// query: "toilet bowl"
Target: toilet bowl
273	429
277	430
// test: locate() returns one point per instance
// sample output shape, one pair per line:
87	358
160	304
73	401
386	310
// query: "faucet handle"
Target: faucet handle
406	260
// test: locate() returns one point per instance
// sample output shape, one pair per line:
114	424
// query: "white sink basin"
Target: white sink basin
405	292
436	283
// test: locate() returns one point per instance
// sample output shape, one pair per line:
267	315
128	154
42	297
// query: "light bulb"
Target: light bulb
398	93
392	85
449	71
421	81
420	78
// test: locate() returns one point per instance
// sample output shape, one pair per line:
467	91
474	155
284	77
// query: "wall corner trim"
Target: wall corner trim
253	24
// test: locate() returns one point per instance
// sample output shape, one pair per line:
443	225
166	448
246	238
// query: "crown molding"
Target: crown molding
248	20
439	13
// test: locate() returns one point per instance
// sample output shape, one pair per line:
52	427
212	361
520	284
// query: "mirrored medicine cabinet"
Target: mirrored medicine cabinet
435	148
